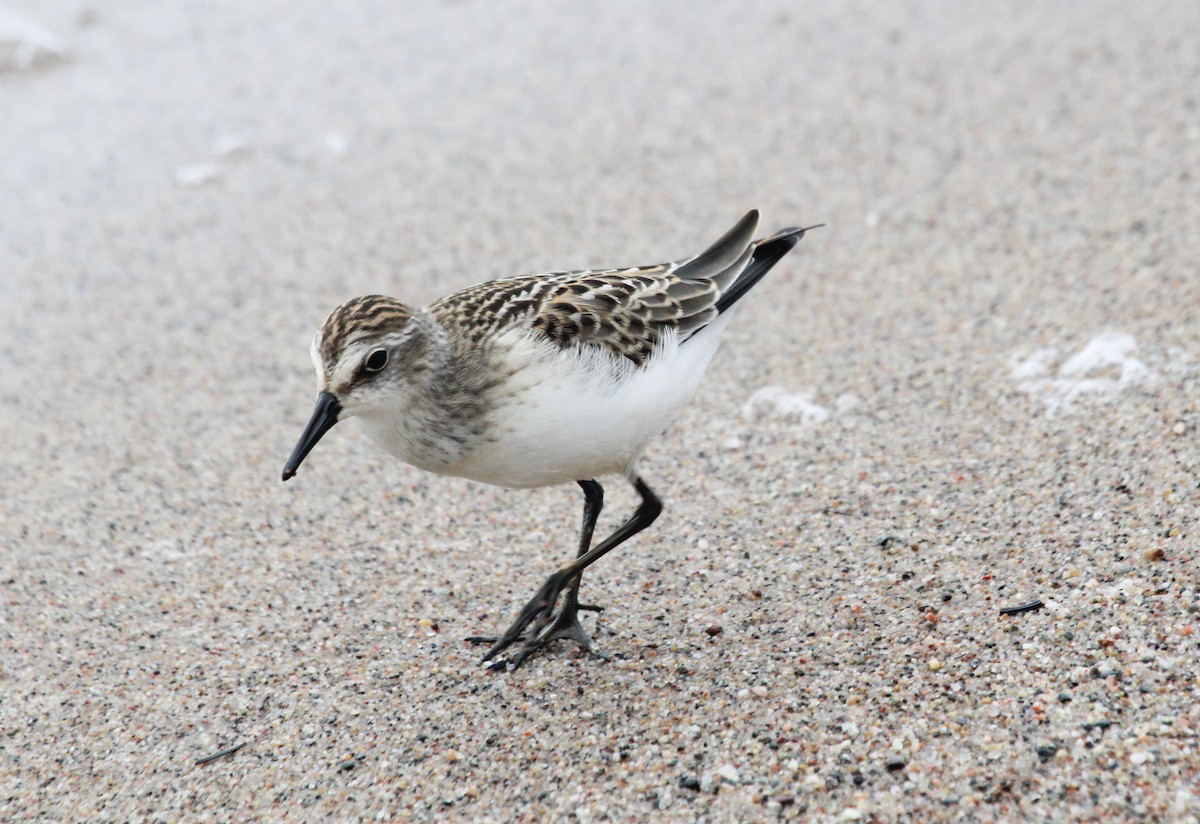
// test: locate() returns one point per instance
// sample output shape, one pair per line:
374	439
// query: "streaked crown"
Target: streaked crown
364	318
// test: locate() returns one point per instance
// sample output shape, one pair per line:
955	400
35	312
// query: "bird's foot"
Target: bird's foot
534	616
565	626
538	624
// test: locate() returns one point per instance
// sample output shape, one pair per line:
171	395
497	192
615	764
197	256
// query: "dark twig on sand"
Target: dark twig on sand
1036	603
221	754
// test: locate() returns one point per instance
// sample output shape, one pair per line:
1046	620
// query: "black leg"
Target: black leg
539	612
593	503
565	623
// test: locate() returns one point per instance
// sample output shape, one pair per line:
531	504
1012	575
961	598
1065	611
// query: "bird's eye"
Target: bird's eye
376	360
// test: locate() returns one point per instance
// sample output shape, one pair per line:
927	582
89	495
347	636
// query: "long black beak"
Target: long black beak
322	420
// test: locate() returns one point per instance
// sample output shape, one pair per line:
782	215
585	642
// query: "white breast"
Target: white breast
568	415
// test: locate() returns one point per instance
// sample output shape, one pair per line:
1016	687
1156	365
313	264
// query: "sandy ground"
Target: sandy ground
985	378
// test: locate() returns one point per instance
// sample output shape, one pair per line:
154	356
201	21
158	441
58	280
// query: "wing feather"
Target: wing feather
624	311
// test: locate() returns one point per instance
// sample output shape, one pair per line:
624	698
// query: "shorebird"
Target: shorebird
537	380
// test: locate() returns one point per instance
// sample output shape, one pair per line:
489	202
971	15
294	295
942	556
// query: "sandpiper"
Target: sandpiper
536	380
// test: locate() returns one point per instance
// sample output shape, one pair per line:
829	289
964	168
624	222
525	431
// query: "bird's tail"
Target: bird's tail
767	252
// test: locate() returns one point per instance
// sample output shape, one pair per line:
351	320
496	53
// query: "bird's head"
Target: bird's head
367	354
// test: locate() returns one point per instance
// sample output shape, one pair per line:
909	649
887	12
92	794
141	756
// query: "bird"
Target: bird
537	380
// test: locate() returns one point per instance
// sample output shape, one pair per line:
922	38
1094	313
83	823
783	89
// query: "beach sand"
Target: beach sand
977	386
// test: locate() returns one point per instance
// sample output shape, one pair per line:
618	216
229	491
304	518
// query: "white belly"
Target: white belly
570	415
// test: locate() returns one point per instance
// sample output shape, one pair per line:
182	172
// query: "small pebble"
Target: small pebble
729	773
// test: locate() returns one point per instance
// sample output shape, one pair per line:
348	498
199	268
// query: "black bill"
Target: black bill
322	420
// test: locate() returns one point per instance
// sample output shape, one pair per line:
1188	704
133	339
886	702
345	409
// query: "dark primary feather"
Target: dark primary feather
767	253
722	258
